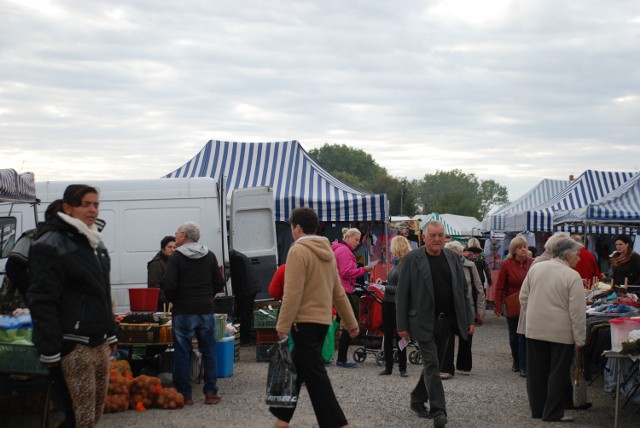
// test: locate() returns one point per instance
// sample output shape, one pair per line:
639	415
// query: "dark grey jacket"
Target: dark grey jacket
415	309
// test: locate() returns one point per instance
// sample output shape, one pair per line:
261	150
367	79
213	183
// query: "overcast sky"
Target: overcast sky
515	91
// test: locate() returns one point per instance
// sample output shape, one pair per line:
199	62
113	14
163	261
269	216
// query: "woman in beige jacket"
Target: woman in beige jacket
553	298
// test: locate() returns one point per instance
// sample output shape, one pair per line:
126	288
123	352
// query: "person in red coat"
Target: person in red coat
513	270
587	267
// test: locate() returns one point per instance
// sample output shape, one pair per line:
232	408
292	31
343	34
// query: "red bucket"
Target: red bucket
143	299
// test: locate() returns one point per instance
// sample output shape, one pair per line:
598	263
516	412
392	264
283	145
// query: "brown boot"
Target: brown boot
212	398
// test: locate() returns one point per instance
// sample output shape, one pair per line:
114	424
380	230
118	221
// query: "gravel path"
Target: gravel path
492	396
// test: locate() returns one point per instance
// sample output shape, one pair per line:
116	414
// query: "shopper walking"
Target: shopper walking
311	286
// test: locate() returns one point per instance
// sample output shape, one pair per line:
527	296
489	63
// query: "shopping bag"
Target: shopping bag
579	384
281	377
512	305
329	345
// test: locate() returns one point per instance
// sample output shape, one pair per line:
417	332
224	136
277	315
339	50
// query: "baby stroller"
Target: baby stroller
370	323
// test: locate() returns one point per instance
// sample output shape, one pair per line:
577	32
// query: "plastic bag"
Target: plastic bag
329	345
281	377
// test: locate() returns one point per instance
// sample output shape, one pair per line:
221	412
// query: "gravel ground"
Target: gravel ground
492	396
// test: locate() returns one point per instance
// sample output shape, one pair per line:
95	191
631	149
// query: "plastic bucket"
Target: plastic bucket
224	351
620	329
143	299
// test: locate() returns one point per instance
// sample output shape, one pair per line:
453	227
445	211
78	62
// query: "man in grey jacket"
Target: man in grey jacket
431	303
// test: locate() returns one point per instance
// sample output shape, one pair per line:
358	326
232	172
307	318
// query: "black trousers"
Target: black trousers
429	387
389	330
345	339
307	357
244	312
464	360
61	386
548	365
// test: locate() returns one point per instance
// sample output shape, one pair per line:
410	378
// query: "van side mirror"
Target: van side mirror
7	235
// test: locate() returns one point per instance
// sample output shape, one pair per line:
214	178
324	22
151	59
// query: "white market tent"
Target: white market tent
541	193
297	180
588	188
465	225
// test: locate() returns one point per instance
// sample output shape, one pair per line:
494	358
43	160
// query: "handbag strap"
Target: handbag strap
579	360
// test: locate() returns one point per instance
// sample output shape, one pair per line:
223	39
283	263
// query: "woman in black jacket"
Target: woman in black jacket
70	302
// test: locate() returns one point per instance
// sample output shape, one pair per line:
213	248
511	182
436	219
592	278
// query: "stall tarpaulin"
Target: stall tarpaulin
297	180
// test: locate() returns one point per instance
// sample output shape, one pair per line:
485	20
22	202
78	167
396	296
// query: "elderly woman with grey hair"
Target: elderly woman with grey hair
475	292
552	297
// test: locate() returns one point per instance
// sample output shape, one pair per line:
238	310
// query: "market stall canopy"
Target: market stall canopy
614	213
448	229
17	187
465	225
541	193
588	188
297	180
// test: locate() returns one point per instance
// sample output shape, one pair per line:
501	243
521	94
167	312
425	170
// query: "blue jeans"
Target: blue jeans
517	342
203	327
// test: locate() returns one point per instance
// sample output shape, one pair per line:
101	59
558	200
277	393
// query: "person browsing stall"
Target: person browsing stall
157	266
348	270
193	278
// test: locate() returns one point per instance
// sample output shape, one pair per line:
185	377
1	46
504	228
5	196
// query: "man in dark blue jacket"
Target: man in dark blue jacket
192	279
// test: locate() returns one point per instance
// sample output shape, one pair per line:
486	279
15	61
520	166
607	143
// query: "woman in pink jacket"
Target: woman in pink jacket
348	270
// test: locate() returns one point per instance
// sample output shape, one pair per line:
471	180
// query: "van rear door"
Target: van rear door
253	231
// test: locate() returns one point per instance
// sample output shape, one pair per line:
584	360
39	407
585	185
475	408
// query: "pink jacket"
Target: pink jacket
347	267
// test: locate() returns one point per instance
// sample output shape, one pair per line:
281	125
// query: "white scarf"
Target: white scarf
91	232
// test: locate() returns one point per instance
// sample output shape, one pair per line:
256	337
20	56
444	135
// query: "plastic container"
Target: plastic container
224	352
143	299
620	329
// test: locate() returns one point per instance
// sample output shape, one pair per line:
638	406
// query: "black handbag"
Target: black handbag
281	377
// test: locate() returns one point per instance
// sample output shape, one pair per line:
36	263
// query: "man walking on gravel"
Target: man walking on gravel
431	304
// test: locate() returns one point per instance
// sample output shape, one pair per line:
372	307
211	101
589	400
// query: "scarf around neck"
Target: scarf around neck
621	259
91	232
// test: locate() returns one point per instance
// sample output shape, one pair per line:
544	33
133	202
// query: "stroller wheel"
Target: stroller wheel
359	355
380	358
396	356
415	357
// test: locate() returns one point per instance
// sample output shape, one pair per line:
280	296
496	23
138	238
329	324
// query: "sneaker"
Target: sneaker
346	364
188	401
445	376
385	372
403	373
523	373
464	372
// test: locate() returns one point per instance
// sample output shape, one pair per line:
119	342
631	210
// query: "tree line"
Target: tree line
453	192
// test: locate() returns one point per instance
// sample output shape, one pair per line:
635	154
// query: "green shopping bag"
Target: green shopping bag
329	345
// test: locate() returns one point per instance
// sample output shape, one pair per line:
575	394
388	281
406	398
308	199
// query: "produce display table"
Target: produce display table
17	359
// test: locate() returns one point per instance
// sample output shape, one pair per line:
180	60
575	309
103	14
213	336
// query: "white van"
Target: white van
139	213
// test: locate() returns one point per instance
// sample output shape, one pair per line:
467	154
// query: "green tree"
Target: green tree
359	170
456	192
492	194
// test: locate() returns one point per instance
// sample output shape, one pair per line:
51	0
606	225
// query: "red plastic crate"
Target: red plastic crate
266	336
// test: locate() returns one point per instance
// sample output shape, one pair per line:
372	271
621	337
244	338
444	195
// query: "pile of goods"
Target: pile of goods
140	393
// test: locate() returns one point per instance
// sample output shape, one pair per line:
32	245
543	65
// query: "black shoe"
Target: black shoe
403	373
515	368
420	410
440	420
385	372
585	406
523	373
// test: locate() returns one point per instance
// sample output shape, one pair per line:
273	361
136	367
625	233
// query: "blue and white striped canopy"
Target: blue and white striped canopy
622	205
588	188
296	179
541	193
